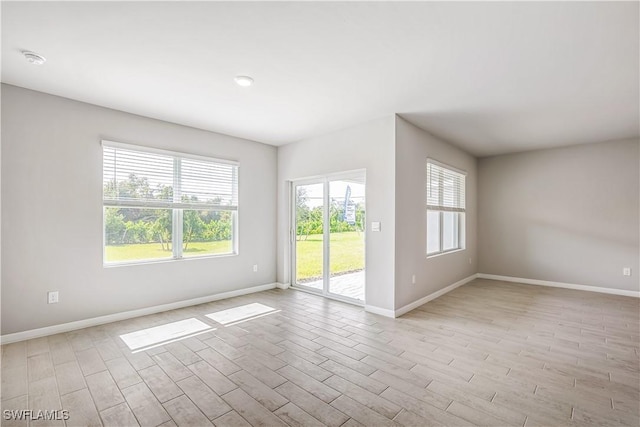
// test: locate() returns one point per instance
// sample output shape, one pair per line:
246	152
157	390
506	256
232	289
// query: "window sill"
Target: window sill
439	254
164	260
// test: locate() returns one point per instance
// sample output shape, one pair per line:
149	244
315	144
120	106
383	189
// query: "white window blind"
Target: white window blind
163	179
445	188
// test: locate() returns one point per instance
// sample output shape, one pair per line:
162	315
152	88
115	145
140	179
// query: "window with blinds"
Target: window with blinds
445	208
166	205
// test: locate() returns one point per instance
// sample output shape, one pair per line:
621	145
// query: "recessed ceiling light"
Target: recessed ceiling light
34	58
243	81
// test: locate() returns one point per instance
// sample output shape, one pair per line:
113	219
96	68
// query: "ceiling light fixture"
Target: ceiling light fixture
34	58
243	81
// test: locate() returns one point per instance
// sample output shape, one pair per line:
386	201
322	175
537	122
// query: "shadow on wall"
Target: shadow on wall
499	131
463	123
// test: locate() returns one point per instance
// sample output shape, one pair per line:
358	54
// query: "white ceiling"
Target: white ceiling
490	77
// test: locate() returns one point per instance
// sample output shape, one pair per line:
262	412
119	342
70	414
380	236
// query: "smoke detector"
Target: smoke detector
34	58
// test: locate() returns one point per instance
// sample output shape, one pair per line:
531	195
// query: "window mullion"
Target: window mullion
458	233
441	214
441	219
177	226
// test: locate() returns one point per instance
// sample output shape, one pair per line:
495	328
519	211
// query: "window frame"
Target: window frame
177	208
461	211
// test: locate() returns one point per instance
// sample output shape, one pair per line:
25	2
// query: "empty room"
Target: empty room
320	213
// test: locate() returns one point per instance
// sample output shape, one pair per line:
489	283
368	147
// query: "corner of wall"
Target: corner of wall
369	146
529	228
432	275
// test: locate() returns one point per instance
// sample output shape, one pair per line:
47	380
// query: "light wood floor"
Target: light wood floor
489	353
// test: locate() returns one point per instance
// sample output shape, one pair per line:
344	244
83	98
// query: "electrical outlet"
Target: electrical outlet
413	279
52	297
255	268
626	271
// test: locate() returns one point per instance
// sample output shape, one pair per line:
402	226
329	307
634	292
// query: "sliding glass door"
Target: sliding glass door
309	235
346	237
328	236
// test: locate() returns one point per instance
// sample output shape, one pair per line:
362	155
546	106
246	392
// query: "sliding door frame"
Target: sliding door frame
325	180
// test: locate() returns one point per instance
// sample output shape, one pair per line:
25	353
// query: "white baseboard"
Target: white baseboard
381	311
283	285
560	285
101	320
407	308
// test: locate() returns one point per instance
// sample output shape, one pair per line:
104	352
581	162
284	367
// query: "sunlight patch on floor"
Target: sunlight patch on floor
149	338
233	316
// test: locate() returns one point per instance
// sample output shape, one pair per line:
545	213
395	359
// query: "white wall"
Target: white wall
1	87
565	215
52	213
413	147
369	146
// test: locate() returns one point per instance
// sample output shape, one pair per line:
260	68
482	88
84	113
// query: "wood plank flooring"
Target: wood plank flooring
487	354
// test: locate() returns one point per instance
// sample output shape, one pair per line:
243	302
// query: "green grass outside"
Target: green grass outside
346	253
151	251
